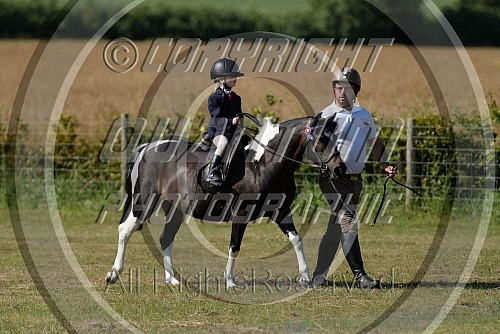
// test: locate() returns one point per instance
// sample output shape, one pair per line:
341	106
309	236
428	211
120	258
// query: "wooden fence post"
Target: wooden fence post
410	159
124	150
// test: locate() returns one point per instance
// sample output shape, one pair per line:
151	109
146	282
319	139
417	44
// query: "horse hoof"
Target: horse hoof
172	281
111	277
304	278
230	283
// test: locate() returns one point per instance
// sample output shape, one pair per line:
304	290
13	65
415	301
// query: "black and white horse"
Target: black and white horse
165	174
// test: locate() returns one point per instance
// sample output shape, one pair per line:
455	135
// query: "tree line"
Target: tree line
476	22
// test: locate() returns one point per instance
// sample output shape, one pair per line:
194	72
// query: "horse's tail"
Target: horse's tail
127	209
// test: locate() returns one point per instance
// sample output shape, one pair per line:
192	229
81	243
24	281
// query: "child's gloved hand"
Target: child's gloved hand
236	121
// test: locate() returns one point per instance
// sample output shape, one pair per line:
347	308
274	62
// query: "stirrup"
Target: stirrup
213	179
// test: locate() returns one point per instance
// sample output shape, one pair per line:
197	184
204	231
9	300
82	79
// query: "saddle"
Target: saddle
233	162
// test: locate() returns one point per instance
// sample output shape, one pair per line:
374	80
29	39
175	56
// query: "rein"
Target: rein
270	150
385	191
323	168
330	179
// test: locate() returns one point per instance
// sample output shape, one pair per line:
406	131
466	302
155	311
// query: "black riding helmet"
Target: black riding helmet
350	75
224	67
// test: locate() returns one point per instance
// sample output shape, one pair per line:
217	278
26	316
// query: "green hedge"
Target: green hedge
477	23
80	172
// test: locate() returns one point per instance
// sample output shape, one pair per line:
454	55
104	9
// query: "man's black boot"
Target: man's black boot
365	281
352	252
214	171
326	253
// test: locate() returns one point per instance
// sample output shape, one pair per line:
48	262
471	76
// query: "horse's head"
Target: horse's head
321	142
296	139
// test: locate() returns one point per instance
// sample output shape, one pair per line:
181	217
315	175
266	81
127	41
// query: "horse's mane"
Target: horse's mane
287	123
294	121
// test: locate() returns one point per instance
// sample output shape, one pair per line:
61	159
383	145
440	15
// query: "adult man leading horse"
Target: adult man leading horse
355	130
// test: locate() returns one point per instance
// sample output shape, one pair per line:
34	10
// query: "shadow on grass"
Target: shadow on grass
411	285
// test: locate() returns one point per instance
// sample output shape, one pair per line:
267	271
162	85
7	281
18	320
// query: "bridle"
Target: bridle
324	170
323	167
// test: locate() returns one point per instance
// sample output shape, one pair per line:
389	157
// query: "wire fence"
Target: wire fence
436	160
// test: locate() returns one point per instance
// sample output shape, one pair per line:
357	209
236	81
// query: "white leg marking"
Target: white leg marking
125	231
301	258
126	228
169	267
228	273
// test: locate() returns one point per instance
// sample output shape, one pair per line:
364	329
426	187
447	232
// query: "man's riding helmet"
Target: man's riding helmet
350	75
224	67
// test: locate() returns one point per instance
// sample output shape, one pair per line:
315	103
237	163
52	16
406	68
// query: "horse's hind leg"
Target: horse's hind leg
288	228
237	232
125	230
133	218
167	242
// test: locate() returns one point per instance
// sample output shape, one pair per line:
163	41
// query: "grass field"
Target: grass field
400	246
99	95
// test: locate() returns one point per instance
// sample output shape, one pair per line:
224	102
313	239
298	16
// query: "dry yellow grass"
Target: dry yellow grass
396	85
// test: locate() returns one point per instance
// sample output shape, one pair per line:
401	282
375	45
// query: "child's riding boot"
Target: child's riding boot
215	171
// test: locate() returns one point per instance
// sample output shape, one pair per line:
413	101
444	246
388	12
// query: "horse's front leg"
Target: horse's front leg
237	232
288	228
